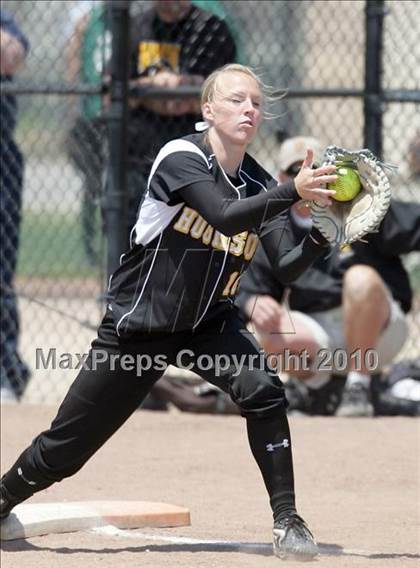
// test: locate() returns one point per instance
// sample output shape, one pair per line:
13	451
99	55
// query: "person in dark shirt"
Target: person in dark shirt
174	43
171	301
349	306
14	371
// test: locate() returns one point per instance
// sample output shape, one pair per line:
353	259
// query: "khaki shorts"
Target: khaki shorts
328	329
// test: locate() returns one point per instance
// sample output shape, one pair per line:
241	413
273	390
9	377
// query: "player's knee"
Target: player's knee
259	395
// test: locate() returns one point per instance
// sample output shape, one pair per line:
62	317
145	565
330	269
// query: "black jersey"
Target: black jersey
198	44
180	269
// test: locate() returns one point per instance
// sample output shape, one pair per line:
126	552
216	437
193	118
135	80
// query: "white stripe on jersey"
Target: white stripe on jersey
154	215
142	290
252	179
235	187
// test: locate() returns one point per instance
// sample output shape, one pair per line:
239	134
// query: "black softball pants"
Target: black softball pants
112	385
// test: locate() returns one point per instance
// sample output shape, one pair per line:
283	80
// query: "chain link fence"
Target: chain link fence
60	270
54	206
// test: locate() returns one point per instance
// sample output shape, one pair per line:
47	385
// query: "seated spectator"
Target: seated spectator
348	310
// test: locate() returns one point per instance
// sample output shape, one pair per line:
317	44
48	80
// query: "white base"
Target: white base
43	518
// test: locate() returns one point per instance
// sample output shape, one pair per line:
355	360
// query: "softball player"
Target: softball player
207	204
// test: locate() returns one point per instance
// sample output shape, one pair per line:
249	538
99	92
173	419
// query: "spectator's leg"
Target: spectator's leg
366	308
294	334
366	311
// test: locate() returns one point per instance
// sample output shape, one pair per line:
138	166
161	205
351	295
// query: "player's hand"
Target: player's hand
264	312
310	183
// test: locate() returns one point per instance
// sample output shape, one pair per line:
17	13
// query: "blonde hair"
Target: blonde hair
211	85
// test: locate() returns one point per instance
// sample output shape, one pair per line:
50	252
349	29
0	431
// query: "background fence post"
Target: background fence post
115	185
373	103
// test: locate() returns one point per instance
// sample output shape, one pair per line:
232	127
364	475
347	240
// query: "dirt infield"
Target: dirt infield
358	485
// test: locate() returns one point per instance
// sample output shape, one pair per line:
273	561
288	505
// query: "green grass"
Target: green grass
51	246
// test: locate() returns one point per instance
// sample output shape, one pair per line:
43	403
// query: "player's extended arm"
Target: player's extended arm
232	216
